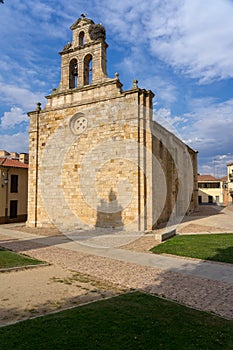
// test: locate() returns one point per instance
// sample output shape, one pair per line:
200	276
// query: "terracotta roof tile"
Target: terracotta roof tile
13	163
206	178
210	178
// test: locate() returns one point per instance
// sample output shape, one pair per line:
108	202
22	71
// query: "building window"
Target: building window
13	209
14	183
209	185
160	149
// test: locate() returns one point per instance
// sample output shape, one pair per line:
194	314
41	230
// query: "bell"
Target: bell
75	70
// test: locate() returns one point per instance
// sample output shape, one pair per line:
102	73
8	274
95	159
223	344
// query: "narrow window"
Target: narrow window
88	70
160	149
13	209
73	75
81	39
14	183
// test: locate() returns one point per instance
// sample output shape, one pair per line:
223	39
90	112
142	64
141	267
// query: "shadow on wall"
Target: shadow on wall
109	213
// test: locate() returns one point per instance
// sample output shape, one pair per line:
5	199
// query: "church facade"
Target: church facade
97	156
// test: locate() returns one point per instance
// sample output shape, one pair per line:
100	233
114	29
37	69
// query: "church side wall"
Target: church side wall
174	177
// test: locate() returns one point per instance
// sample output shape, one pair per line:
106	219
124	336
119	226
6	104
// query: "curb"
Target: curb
26	267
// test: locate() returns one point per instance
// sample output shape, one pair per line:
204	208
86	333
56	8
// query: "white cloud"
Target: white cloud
12	118
172	123
216	165
210	128
43	9
195	37
24	98
15	143
165	91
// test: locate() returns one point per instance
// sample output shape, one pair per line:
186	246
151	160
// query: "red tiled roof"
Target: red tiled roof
12	163
206	178
228	164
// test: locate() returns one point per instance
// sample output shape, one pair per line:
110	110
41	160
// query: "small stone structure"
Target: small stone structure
97	157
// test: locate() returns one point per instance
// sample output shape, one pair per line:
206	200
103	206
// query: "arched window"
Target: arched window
88	69
81	38
73	74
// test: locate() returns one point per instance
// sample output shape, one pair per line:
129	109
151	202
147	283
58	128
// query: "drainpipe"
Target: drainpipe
38	109
6	181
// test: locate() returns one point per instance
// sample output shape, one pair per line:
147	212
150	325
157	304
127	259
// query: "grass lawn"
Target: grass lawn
216	247
11	259
130	321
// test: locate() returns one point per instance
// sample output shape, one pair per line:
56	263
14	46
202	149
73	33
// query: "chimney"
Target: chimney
24	158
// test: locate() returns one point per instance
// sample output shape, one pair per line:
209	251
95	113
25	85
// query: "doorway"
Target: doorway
13	209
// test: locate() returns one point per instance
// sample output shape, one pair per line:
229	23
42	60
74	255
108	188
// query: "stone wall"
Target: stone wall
103	163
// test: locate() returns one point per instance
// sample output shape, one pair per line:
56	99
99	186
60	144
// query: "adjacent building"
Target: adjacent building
13	186
230	182
97	157
212	190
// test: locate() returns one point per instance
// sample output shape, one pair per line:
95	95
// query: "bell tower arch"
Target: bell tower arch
84	59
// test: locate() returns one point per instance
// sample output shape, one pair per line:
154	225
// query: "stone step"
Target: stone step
163	236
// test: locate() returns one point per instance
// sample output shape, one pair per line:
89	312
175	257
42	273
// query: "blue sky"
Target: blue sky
180	49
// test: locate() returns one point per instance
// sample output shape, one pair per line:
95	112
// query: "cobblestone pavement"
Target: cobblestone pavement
201	293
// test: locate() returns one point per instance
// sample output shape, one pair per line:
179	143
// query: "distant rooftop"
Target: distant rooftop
14	159
207	178
12	163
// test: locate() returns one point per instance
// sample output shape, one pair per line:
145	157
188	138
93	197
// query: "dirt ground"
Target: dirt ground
32	292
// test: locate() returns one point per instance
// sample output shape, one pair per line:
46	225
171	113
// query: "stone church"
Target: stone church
97	156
